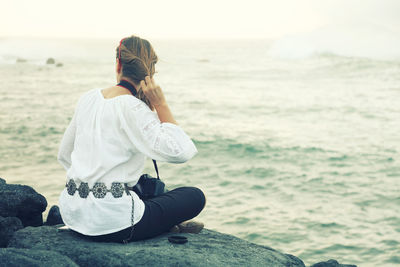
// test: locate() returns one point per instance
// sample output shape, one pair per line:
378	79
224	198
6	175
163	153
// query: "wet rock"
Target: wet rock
208	248
54	216
59	65
50	60
16	257
23	202
331	263
49	246
8	226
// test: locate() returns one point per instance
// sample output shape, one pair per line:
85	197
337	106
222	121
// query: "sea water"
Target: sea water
300	154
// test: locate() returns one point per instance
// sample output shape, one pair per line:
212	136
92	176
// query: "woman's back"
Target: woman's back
101	149
105	147
107	142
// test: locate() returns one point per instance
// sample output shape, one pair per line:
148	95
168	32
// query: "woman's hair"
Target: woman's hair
138	59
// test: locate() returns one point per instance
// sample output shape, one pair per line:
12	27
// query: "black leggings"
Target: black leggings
160	215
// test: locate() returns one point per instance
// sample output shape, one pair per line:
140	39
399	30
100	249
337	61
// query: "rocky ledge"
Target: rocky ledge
209	248
46	245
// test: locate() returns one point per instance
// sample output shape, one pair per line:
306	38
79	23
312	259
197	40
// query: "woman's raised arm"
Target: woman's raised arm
156	97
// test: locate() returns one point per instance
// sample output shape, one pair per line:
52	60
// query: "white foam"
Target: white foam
355	40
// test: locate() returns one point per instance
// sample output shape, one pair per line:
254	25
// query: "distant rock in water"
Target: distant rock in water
21	60
331	263
50	60
59	65
208	248
8	226
23	202
203	60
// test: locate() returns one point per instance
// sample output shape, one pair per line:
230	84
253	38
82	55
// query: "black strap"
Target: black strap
155	167
131	88
128	85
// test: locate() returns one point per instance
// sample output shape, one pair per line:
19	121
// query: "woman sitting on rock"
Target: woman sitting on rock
104	149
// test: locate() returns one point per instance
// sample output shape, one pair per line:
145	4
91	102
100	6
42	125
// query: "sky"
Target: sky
170	19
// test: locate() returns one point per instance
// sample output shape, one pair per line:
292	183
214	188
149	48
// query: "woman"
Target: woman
104	150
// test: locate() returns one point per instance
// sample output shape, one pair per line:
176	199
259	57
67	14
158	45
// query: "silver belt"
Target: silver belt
99	190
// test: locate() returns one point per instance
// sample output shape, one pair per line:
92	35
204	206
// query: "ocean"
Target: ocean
299	153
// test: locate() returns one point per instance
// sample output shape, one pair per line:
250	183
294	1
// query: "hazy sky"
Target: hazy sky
187	19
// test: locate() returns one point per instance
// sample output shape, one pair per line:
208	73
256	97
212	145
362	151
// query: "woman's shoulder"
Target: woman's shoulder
89	94
128	103
132	104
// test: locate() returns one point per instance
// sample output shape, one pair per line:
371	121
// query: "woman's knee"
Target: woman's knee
200	198
192	195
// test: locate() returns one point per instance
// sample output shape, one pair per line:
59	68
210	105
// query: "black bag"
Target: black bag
148	186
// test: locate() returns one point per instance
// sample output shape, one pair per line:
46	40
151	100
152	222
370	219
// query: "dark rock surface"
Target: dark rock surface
47	246
21	201
17	257
54	216
8	226
331	263
209	248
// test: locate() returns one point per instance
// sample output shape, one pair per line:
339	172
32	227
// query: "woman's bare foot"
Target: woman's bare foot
190	227
174	229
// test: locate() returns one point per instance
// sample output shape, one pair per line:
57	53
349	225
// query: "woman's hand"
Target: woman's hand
152	92
156	97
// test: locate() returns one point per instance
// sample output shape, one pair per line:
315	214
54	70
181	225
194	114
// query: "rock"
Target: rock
7	228
21	60
50	60
54	216
208	248
22	201
331	263
16	257
59	65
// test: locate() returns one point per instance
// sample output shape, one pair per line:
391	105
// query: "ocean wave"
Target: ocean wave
356	40
247	148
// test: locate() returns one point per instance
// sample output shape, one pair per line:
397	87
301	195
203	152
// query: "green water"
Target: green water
299	155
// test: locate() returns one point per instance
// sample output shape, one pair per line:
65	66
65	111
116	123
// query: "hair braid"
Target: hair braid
138	60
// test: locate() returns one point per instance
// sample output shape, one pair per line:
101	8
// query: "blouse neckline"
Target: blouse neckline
107	99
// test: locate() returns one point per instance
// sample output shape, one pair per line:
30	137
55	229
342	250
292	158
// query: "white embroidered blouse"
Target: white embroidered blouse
108	141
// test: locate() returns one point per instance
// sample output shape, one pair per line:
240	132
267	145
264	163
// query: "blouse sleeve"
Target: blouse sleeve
159	141
67	145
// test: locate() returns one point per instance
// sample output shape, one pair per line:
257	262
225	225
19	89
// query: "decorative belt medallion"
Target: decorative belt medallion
83	190
71	187
117	190
99	190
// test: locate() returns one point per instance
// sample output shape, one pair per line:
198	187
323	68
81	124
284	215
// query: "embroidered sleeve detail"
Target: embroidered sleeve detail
149	126
165	144
161	141
172	146
157	143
